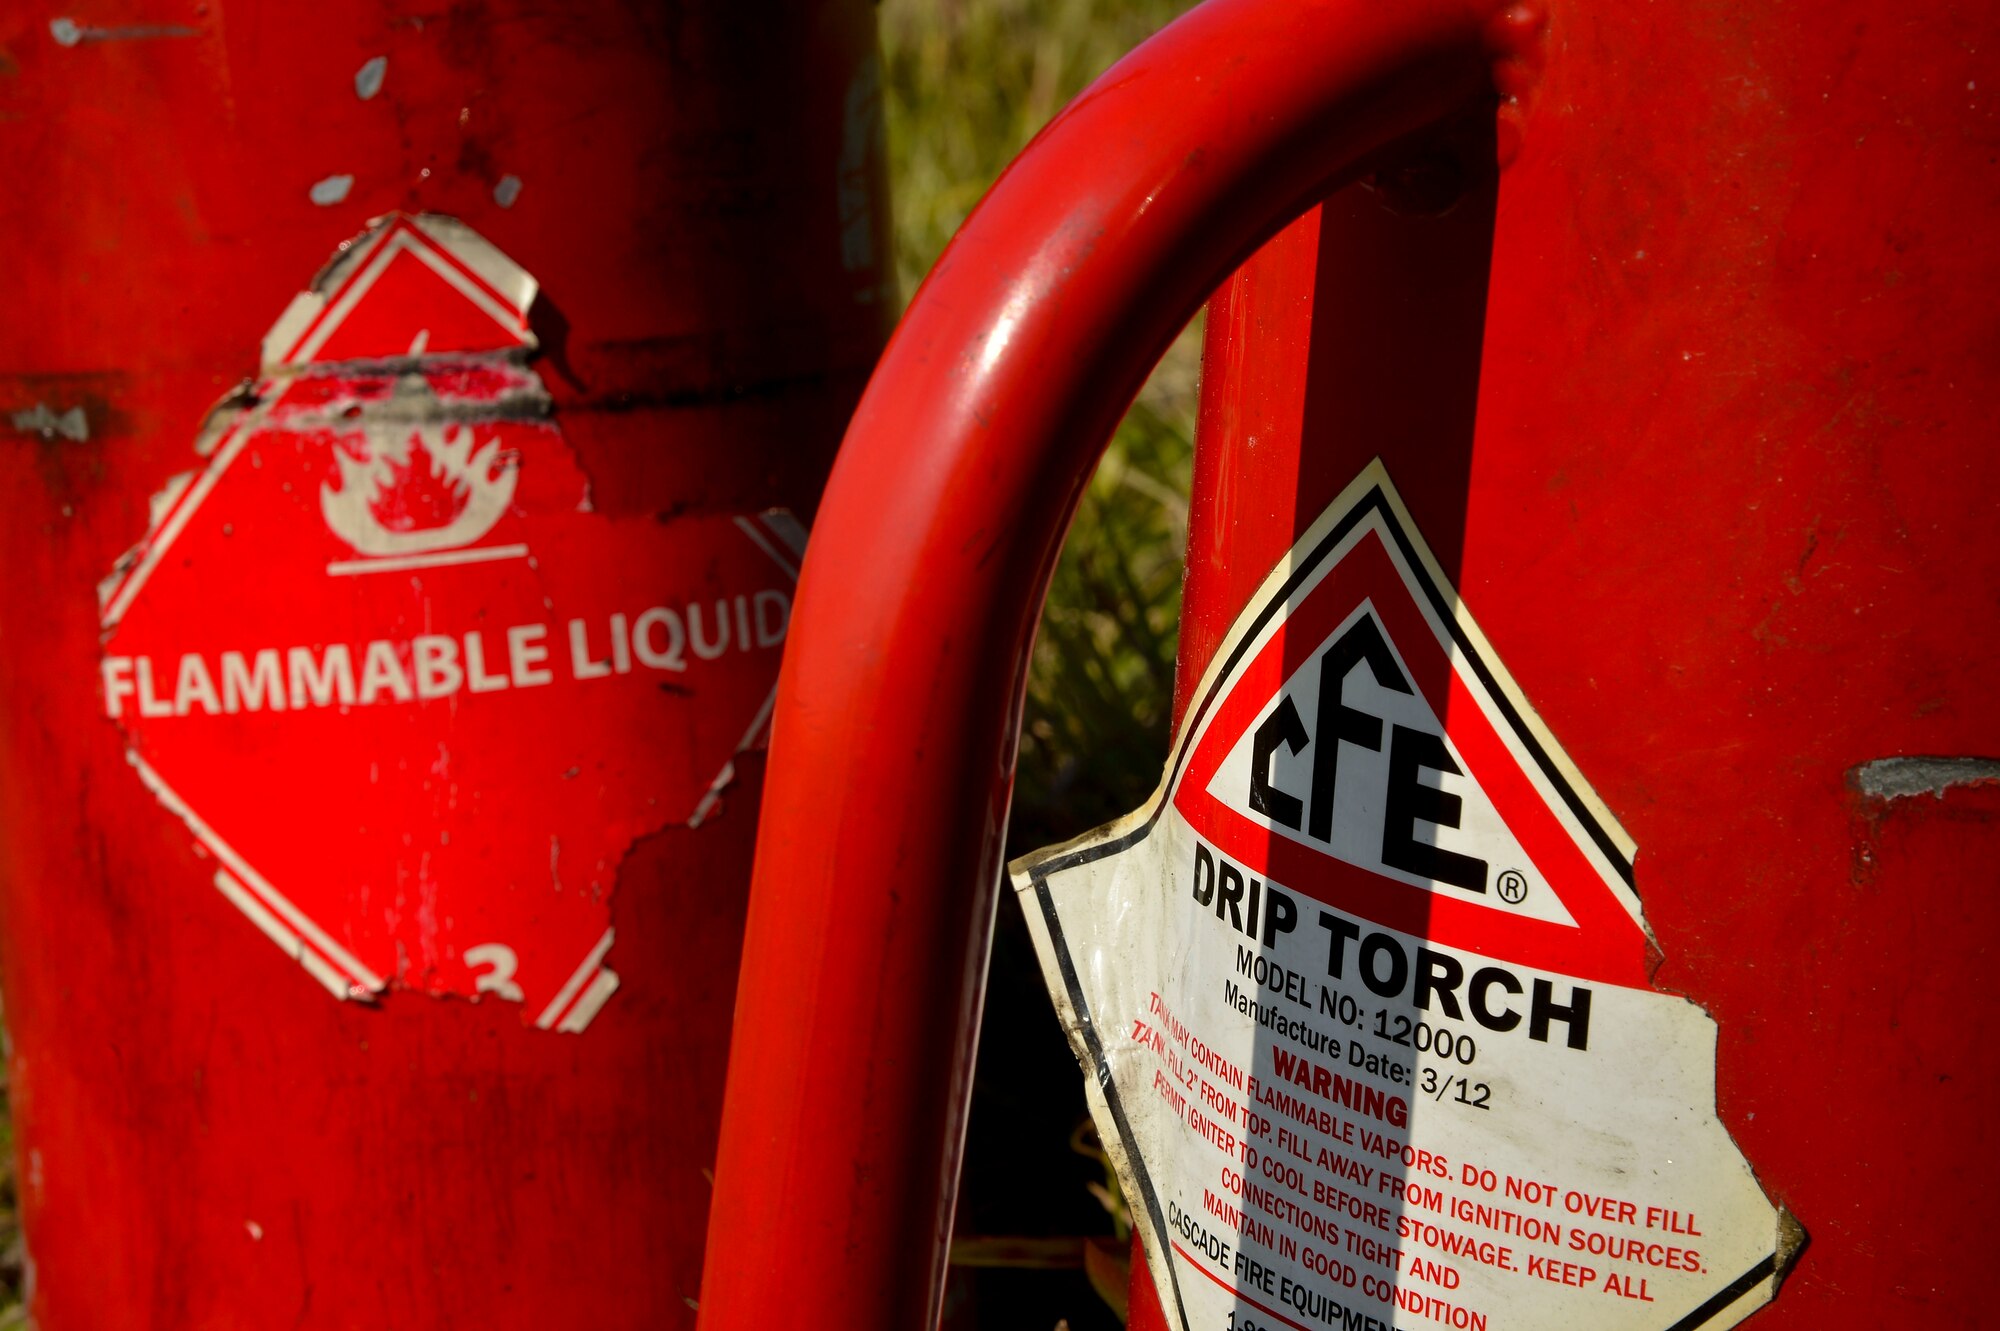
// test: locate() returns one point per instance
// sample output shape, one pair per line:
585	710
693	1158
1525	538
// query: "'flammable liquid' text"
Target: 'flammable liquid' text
435	665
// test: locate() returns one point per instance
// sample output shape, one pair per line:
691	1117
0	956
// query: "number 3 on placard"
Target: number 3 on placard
499	978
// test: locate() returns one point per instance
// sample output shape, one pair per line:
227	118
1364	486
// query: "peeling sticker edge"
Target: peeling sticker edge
1792	1240
467	261
1907	777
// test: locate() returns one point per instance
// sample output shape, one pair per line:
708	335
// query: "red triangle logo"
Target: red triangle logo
1358	743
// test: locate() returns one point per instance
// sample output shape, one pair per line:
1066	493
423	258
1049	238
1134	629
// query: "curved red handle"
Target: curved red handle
898	708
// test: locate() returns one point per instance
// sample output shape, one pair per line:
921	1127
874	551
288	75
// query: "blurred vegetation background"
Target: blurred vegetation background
967	84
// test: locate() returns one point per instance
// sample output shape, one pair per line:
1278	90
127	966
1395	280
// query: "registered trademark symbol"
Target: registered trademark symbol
1513	887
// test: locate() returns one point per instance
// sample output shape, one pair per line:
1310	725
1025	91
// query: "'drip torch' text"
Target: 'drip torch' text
1494	996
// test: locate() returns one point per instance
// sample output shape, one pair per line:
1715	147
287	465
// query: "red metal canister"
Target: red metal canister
1689	409
1693	404
407	424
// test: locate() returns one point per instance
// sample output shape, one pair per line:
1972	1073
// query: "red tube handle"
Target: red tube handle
893	742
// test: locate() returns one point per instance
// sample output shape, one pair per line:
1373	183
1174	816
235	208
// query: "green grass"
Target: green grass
968	83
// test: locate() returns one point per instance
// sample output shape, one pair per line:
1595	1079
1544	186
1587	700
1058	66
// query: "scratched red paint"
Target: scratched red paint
421	763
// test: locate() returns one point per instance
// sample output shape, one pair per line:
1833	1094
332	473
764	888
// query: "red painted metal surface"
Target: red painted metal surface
894	737
206	1136
1709	458
1706	454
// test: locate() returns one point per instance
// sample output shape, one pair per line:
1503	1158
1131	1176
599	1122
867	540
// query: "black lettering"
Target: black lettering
1376	945
1230	894
1204	875
1282	726
1280	914
1335	721
1410	801
1340	932
1543	1009
1483	981
1440	975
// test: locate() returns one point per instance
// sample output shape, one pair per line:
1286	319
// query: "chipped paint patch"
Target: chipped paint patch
368	78
68	32
1902	778
72	425
1792	1240
508	190
331	190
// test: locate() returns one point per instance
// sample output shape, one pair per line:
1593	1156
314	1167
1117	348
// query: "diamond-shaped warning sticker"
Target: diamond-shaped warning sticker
410	692
1362	993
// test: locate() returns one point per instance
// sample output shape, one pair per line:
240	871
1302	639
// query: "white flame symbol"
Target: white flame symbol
419	490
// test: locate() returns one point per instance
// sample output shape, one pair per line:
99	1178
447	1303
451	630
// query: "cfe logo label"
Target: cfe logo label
413	696
1401	796
1372	751
1362	993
